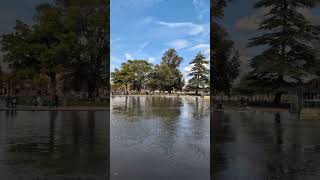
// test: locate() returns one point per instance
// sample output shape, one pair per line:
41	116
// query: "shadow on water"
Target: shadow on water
265	146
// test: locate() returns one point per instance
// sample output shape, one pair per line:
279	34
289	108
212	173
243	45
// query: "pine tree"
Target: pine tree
289	57
199	73
224	58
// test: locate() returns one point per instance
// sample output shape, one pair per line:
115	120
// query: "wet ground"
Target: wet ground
53	145
160	138
258	146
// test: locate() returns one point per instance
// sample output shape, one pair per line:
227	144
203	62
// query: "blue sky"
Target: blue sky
145	29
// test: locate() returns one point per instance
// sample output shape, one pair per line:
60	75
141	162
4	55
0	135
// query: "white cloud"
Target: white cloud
192	28
129	56
178	44
200	47
151	59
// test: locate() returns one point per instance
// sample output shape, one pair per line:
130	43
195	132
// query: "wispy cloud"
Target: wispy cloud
142	47
192	28
178	44
199	47
201	7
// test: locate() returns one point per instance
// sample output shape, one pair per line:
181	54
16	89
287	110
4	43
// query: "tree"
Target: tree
217	7
134	73
225	62
68	37
199	74
170	64
224	58
153	80
171	58
89	19
166	78
289	56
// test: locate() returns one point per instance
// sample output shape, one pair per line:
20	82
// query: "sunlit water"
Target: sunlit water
265	146
53	145
160	138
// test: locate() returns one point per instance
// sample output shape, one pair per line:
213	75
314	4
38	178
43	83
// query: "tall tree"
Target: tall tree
89	19
199	73
289	56
171	61
224	58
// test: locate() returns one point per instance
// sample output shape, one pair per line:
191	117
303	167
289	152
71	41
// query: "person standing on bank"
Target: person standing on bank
14	102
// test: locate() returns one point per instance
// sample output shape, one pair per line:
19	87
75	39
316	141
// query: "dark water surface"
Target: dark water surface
259	146
160	138
53	145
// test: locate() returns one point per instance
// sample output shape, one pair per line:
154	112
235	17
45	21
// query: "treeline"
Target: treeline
289	57
140	75
68	43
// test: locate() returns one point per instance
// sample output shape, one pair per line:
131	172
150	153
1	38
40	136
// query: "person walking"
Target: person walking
14	102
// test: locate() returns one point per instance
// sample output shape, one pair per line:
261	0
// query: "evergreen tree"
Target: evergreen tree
289	57
224	59
199	74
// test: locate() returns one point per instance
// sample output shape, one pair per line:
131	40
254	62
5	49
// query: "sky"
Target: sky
241	22
145	29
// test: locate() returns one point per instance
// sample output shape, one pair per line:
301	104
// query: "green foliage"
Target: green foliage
67	36
139	74
171	58
168	70
134	73
199	74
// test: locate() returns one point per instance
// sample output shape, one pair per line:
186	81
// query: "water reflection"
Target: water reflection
265	146
155	137
53	145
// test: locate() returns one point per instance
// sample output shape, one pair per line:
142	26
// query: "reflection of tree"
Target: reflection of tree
221	133
91	127
52	119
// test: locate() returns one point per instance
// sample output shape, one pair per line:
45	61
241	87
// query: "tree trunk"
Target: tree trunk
277	98
91	88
